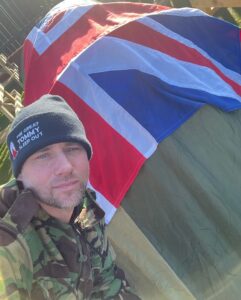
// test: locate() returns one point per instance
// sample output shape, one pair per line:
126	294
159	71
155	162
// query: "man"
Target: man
52	232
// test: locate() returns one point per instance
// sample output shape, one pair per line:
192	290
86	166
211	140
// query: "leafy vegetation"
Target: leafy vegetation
5	164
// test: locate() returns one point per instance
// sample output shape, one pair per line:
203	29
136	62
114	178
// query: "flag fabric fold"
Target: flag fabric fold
133	73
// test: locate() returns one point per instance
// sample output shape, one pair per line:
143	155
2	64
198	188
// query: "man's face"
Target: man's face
58	174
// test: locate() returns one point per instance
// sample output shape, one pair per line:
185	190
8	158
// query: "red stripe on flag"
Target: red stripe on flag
115	162
98	21
144	35
29	55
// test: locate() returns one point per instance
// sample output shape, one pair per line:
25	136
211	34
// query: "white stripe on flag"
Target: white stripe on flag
104	204
183	12
42	41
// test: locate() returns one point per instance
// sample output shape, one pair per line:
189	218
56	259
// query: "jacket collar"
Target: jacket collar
88	213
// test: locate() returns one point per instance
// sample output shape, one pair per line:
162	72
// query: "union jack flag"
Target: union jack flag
133	73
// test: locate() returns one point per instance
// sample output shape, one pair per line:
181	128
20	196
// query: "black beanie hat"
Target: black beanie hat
47	121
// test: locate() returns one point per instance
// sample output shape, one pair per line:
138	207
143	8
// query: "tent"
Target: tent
181	217
153	86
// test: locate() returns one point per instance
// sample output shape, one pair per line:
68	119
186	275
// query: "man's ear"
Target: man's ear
20	182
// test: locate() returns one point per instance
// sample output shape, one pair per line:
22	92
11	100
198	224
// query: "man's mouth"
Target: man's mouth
66	185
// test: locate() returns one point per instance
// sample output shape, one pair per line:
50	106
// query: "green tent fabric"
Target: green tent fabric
186	203
145	269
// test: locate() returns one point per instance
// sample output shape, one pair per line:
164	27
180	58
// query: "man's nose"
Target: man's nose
62	164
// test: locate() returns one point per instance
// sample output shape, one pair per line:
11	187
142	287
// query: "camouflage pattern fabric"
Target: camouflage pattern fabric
43	258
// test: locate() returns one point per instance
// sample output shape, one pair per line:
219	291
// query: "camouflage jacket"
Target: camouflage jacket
43	258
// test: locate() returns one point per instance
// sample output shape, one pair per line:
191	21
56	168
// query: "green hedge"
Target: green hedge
5	164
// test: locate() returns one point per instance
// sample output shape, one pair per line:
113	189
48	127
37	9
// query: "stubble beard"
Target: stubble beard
65	200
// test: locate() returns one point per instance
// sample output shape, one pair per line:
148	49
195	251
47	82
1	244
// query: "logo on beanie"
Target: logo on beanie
13	150
29	134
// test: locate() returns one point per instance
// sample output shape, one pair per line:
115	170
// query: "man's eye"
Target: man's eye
42	156
74	148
